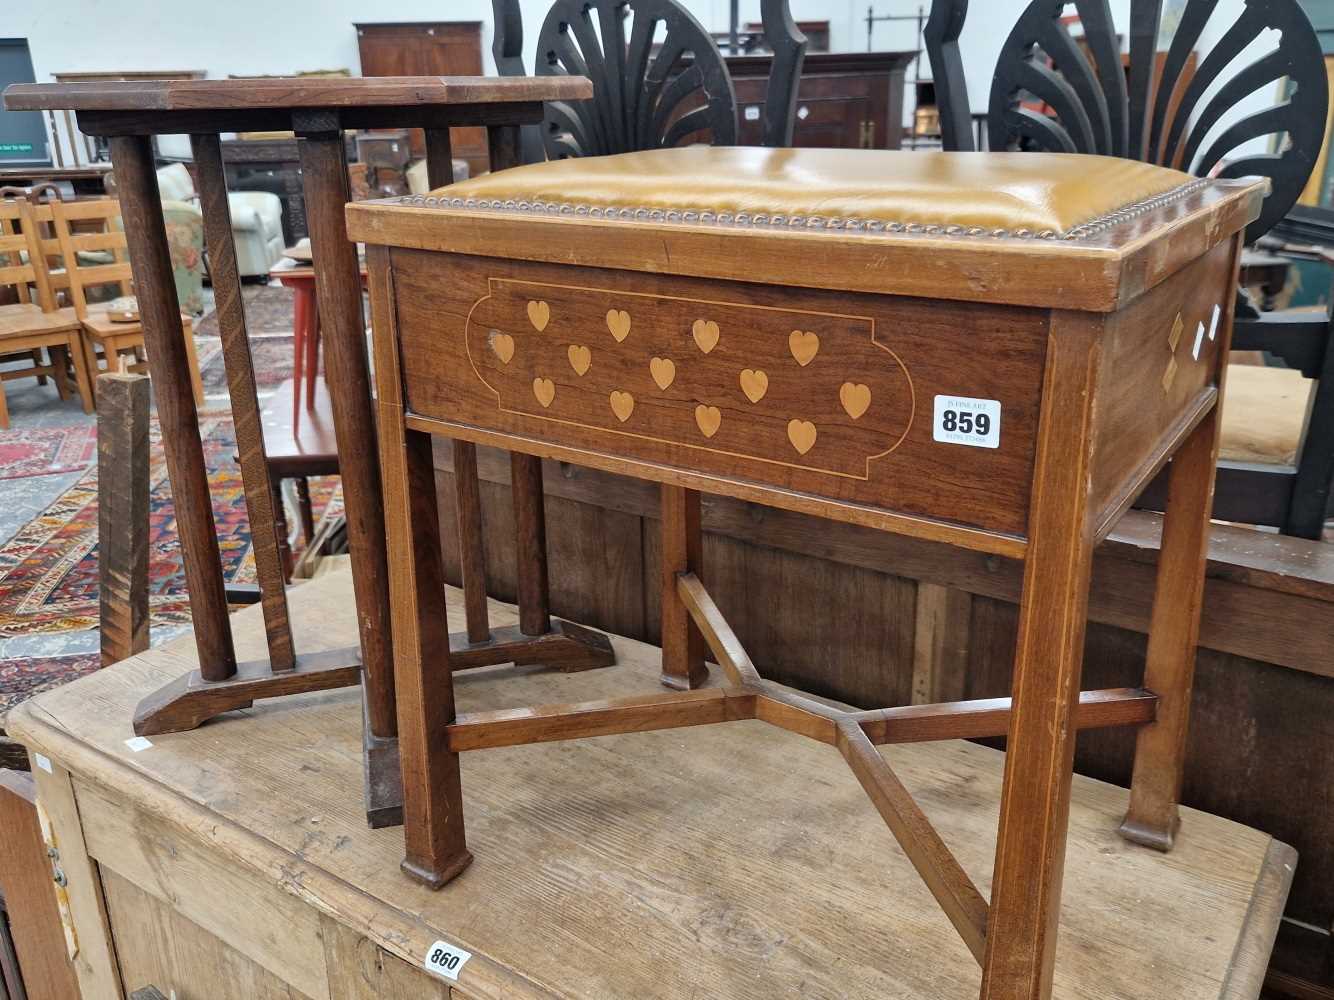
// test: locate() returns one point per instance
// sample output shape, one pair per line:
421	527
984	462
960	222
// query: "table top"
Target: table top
748	855
292	92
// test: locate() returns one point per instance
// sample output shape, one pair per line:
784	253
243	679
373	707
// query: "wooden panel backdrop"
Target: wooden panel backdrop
874	619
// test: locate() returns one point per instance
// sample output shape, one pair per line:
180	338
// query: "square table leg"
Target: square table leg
1174	629
1039	758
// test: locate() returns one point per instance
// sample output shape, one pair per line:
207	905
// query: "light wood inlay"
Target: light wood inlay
802	434
754	384
618	322
855	397
503	345
709	419
663	371
580	358
545	390
804	345
706	334
622	404
539	313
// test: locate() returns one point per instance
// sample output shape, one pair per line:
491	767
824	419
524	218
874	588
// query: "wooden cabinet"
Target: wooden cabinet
428	48
234	862
851	100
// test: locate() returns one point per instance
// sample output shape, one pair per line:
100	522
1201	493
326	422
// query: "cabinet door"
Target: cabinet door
429	48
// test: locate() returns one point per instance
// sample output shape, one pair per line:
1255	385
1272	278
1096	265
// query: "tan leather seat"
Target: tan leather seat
1021	193
1263	413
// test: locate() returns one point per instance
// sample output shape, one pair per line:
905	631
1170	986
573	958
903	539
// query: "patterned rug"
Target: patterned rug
272	354
48	571
42	451
25	676
268	309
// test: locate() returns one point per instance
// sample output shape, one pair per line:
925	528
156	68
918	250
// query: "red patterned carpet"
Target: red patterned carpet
25	676
46	450
48	571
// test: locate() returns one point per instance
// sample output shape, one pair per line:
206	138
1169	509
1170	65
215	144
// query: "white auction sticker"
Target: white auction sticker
445	959
964	420
1213	323
43	762
137	743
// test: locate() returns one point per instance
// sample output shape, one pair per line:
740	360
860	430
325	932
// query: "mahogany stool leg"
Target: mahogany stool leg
472	551
432	793
1039	759
530	544
682	552
1174	629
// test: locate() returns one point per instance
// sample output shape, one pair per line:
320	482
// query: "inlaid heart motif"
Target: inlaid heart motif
618	322
663	371
709	418
545	390
754	384
802	435
622	404
539	314
804	346
855	397
580	358
706	334
503	345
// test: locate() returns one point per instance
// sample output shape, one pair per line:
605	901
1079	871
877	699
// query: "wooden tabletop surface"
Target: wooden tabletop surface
733	860
292	92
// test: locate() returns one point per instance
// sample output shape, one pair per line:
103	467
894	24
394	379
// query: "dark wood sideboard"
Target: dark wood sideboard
845	99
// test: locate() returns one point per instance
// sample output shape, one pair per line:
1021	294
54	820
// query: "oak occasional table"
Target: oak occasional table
988	350
319	111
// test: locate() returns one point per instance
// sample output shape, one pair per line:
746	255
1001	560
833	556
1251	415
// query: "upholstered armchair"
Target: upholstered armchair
257	225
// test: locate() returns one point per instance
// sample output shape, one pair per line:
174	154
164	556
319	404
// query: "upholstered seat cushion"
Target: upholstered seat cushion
1264	410
1036	194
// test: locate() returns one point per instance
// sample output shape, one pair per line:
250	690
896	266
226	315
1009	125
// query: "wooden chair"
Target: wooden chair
32	323
1055	91
643	97
90	227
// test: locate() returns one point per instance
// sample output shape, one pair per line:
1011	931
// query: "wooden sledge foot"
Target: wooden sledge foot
567	647
190	701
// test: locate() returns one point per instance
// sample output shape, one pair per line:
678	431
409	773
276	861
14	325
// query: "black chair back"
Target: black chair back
658	77
1162	110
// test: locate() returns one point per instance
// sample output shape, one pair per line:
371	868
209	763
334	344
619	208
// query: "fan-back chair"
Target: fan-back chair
1061	92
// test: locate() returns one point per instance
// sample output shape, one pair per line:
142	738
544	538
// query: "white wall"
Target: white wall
249	37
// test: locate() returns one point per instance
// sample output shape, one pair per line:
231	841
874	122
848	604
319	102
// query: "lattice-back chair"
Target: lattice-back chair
1055	91
90	242
643	99
31	324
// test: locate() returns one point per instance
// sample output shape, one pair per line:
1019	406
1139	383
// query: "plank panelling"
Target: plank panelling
158	947
595	560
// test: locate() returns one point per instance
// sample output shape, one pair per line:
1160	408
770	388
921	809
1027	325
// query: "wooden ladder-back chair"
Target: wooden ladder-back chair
643	98
1057	91
32	323
93	227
